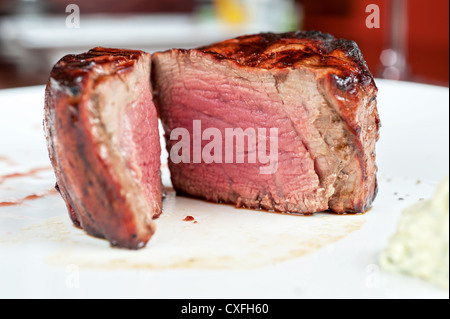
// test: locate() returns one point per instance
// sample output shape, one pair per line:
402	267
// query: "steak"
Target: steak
102	134
314	91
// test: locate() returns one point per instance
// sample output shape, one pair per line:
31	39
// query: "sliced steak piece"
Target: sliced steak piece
102	133
317	92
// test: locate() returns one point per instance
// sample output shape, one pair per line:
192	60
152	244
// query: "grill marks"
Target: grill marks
101	181
287	50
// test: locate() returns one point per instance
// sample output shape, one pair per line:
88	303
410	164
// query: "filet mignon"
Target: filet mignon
316	91
102	134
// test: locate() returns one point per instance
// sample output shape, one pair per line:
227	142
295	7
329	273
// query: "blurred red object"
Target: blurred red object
427	33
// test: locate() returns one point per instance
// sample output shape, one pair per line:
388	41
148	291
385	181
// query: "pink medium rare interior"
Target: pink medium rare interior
140	143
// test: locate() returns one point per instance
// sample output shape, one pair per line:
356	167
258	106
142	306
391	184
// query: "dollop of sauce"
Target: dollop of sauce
420	246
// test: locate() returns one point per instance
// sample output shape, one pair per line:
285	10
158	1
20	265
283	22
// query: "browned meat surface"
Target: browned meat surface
102	132
317	92
312	91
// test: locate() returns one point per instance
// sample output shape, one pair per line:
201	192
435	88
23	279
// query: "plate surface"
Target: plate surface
224	252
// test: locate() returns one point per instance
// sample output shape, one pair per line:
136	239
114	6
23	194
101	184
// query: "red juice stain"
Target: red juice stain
31	172
20	201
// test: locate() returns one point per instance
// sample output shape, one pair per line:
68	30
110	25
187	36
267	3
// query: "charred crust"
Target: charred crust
294	49
84	181
70	71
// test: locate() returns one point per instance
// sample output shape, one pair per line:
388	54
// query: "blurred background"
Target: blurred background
400	39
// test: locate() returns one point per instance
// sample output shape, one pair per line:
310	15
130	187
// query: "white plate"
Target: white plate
228	252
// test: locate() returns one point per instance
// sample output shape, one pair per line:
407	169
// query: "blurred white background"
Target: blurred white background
34	34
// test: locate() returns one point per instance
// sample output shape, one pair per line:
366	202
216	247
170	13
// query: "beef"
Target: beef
314	90
102	134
